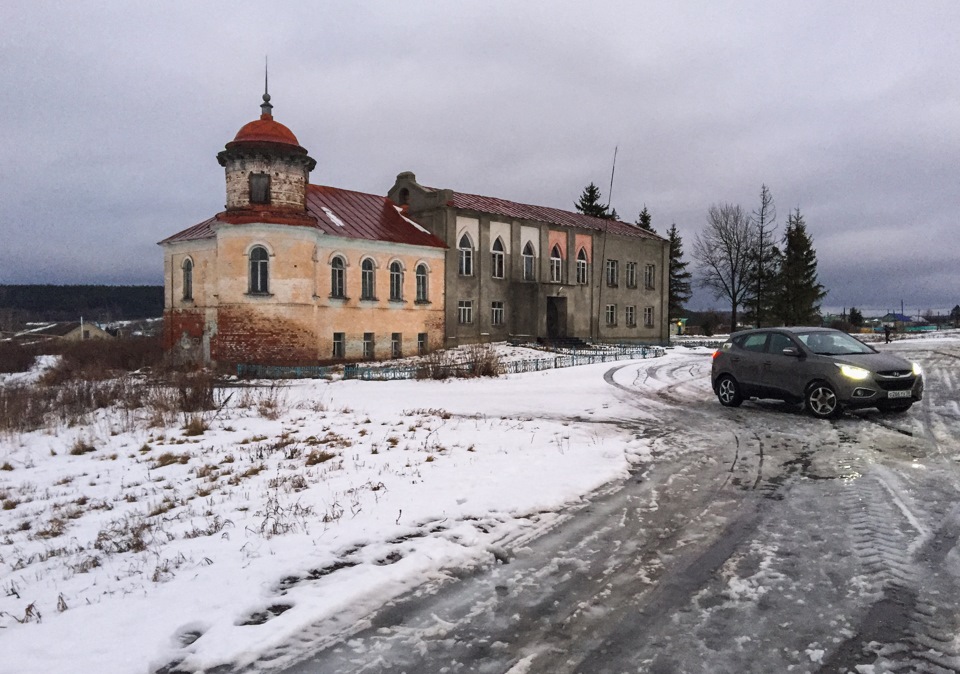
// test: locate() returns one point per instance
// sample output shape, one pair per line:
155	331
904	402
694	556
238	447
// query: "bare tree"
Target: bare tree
724	254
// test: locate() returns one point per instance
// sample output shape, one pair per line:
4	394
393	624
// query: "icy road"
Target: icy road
754	540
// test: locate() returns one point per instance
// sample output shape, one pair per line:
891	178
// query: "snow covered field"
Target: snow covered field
307	505
300	502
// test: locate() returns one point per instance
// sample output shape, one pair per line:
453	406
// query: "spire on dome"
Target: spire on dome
266	109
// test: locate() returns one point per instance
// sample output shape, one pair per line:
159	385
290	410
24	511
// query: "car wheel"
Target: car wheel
821	400
895	408
728	392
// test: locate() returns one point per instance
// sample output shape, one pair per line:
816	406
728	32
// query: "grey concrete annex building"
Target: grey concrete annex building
521	271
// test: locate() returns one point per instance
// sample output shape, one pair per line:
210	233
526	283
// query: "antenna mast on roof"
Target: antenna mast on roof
612	170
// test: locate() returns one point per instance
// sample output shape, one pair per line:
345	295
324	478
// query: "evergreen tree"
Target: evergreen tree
679	276
955	316
590	204
856	317
798	302
644	220
765	262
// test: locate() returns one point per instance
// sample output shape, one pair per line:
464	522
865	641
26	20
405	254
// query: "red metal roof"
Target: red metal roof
337	212
554	216
265	130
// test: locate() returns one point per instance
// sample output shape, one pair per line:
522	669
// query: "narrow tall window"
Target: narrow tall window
613	273
497	256
368	345
630	316
582	267
337	278
631	274
423	294
259	188
338	344
648	317
649	274
367	280
396	344
556	265
528	262
465	312
611	314
421	343
259	271
496	313
396	281
188	279
466	256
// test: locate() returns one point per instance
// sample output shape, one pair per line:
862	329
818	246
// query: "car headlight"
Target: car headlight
854	372
917	370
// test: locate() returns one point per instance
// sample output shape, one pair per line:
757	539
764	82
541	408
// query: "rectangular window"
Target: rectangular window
649	272
556	269
631	274
582	272
648	317
630	316
611	314
396	344
528	270
368	345
465	312
259	188
496	313
466	262
338	345
613	273
421	343
497	260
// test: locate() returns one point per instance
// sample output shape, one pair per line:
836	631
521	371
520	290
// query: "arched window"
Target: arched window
337	278
497	258
404	196
423	294
396	281
528	259
259	271
367	280
188	279
466	256
556	265
582	267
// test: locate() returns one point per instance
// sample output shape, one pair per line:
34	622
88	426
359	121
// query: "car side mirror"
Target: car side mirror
792	351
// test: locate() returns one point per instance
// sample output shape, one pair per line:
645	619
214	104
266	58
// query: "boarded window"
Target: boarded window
259	188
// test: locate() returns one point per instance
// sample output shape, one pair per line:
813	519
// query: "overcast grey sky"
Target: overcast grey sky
114	112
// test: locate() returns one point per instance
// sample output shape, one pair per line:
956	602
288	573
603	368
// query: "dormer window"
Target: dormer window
259	188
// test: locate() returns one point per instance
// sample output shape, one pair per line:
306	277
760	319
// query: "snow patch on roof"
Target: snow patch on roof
417	225
333	217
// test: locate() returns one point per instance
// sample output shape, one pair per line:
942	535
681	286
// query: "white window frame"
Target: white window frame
631	274
529	263
556	265
423	285
630	316
465	256
465	312
613	273
611	314
368	279
582	267
497	256
649	276
369	345
396	281
338	278
648	317
496	313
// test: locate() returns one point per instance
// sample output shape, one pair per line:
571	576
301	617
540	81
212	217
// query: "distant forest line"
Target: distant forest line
20	304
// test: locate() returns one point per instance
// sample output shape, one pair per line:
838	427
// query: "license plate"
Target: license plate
899	394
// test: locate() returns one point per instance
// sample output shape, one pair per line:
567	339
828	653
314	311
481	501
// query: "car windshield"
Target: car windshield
833	343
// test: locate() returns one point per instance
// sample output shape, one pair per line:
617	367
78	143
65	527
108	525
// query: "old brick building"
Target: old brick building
294	273
521	271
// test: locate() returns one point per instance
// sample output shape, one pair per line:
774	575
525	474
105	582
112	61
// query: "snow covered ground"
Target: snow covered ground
301	501
126	547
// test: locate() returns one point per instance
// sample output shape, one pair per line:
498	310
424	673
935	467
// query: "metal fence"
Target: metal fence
442	369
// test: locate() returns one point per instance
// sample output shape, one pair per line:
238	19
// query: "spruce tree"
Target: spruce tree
644	220
856	317
679	276
765	262
590	204
798	302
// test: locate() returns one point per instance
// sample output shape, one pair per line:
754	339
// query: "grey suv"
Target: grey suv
827	370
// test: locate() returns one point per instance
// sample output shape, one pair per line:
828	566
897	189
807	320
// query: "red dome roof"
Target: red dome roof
266	130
